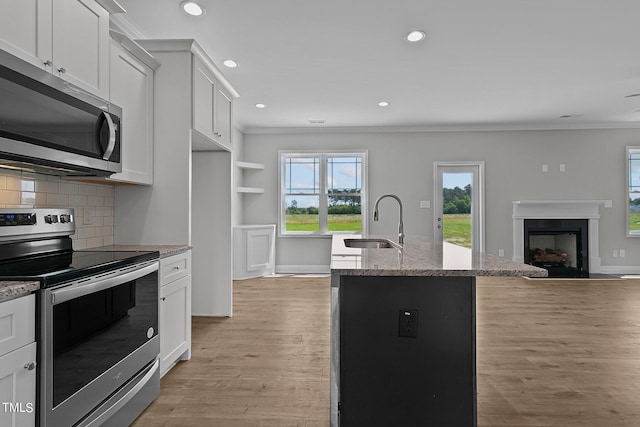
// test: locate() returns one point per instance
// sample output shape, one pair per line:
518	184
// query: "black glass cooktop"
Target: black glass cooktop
62	267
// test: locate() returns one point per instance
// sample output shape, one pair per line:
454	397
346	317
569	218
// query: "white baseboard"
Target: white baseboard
619	269
303	269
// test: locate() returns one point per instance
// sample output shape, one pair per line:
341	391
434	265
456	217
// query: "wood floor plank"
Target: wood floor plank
549	353
267	366
558	353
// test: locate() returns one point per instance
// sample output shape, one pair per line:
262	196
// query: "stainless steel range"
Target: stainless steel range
98	340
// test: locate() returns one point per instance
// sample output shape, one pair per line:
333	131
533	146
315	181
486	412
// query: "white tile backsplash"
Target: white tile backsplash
19	189
68	188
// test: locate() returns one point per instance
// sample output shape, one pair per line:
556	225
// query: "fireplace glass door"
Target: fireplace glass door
559	246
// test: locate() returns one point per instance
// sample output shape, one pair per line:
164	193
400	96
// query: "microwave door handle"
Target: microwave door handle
112	136
79	289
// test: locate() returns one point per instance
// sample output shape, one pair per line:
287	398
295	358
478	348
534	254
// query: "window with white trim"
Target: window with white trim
633	201
322	192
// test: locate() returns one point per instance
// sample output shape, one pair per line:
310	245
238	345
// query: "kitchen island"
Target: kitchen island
403	348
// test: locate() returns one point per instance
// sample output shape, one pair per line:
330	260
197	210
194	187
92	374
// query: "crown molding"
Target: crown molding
438	128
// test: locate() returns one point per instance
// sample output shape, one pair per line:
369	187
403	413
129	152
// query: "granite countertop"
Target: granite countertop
165	250
422	256
10	289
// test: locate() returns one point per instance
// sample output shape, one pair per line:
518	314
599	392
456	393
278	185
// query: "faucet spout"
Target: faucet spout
400	223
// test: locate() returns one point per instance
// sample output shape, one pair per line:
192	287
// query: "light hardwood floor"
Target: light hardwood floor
550	353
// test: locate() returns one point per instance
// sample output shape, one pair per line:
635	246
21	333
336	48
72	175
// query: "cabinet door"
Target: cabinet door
25	30
18	387
175	321
204	92
81	45
131	88
222	124
17	323
260	249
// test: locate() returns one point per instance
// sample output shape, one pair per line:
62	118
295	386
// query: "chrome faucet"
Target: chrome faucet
400	224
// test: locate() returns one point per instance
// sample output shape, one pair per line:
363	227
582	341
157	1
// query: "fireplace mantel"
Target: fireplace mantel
559	209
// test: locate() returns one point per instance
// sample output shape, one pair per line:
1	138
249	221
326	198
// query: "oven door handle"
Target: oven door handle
108	413
79	289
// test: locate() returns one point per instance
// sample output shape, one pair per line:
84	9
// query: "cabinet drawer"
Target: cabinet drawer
174	267
17	323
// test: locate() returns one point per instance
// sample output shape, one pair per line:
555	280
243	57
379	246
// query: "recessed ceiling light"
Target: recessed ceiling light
192	8
415	36
230	63
383	104
261	105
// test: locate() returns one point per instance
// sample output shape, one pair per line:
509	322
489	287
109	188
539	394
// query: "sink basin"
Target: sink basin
371	243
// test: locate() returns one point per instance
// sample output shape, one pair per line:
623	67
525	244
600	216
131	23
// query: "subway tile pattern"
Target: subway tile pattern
92	203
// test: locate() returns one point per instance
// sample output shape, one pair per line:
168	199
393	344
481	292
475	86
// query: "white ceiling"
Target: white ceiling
486	64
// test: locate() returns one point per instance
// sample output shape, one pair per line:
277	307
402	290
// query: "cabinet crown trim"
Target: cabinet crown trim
135	49
111	6
190	45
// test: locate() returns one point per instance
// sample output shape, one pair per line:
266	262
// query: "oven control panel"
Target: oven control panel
10	219
32	222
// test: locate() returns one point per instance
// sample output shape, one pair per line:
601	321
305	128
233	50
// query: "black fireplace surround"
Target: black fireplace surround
561	246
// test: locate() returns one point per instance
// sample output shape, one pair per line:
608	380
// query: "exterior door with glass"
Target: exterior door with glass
459	204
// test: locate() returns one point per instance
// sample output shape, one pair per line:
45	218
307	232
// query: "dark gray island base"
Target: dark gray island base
403	348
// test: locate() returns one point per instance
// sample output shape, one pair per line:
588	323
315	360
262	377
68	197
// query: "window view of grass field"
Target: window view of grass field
634	222
457	229
456	209
310	223
341	193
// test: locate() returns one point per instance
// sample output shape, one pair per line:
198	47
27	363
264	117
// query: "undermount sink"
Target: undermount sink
371	243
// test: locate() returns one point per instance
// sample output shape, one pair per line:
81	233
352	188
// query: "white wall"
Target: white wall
402	163
237	199
212	289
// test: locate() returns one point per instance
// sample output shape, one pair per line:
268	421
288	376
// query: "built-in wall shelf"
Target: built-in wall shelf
249	165
250	190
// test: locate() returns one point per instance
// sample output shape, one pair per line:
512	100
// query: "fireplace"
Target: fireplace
563	210
561	246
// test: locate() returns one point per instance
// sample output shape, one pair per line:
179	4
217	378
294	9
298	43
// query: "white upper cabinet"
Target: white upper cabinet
204	90
222	110
131	88
212	105
25	29
70	38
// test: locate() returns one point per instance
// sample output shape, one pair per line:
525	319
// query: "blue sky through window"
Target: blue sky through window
634	175
453	180
302	178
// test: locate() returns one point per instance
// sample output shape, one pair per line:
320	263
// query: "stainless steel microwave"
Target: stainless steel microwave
48	125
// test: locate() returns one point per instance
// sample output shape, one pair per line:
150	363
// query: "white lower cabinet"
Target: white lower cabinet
253	251
18	387
175	310
18	362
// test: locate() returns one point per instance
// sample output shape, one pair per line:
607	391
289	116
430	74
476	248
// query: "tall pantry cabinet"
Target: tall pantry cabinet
187	132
